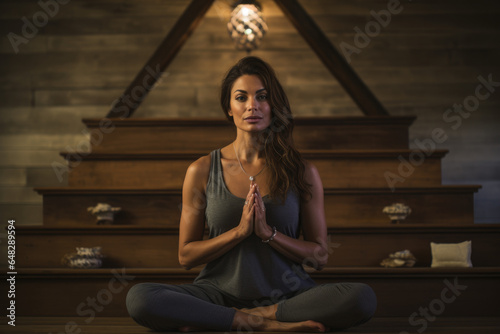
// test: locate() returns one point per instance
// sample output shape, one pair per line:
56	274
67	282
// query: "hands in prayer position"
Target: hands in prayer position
253	217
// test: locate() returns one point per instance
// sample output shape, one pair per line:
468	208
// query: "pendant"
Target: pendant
251	178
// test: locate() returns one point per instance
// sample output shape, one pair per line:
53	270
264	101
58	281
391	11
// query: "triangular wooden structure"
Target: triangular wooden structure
305	25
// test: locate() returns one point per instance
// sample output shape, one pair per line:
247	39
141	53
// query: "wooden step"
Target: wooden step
448	205
181	134
367	246
400	291
148	247
67	206
337	168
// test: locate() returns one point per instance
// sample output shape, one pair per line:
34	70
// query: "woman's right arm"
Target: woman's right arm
193	250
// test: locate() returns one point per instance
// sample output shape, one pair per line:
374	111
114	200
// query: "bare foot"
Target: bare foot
253	320
268	312
304	326
246	321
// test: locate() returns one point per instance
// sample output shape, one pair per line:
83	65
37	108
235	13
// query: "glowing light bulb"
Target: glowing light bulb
246	27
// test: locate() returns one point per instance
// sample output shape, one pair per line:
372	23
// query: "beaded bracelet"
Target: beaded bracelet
272	236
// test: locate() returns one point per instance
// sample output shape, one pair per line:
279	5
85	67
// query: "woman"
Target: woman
257	196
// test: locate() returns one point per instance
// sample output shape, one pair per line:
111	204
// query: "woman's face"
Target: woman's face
249	105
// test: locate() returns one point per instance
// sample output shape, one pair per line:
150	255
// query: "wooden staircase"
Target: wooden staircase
139	165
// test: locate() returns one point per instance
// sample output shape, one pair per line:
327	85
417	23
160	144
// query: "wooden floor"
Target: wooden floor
442	325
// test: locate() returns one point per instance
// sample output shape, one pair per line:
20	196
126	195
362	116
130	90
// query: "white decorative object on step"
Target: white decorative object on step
84	258
104	213
397	212
399	259
451	255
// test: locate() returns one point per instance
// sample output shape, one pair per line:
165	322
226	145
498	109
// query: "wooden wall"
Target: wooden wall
423	62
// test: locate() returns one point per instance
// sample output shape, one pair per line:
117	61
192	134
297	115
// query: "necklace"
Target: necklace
250	177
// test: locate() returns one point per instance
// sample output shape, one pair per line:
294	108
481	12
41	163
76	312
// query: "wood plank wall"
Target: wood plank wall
423	62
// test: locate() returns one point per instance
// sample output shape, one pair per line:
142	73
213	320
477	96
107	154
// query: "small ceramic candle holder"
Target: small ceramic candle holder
104	213
397	212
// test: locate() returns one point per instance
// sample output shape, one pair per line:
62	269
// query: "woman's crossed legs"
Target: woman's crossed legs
187	307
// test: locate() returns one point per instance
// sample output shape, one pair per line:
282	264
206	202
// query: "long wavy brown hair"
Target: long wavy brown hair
284	162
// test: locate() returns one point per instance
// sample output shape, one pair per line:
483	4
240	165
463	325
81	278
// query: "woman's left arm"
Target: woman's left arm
313	249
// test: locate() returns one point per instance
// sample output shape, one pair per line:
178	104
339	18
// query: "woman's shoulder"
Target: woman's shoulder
201	165
309	169
198	170
311	174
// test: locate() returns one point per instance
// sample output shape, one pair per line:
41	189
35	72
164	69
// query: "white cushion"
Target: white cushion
451	255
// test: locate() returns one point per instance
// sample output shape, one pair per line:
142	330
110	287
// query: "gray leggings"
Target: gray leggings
163	307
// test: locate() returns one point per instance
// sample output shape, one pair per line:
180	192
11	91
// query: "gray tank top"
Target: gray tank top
252	269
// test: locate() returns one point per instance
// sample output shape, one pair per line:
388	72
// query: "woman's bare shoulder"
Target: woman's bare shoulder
312	177
197	174
310	171
200	167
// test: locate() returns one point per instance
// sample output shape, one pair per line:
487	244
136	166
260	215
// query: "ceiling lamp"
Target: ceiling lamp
246	25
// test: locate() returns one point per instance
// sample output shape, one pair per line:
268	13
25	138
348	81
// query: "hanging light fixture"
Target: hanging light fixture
246	25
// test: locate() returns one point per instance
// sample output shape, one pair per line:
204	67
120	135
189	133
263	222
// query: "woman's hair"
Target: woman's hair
285	164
